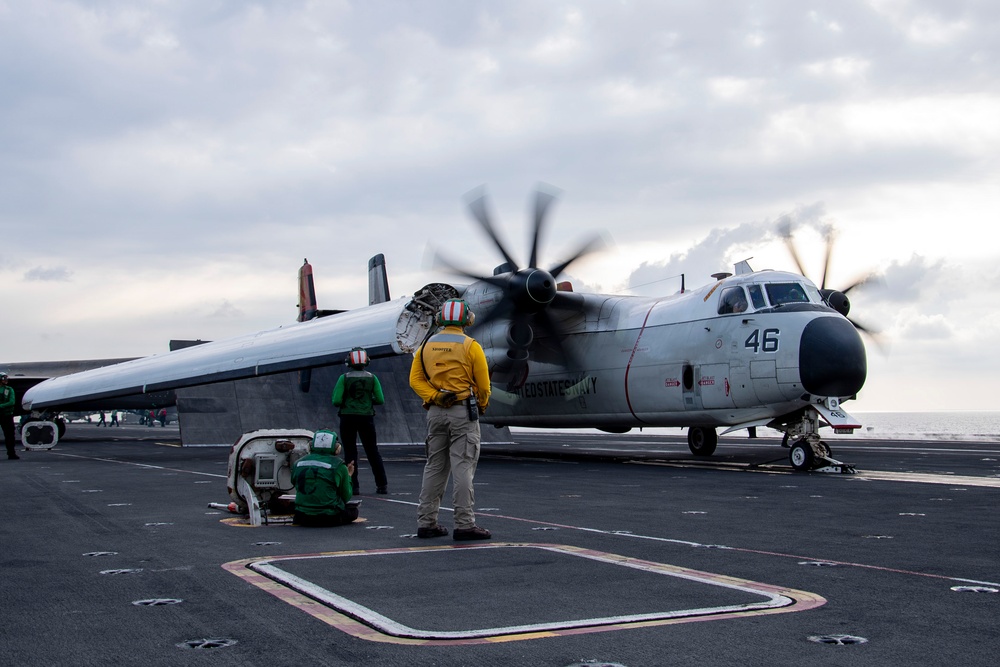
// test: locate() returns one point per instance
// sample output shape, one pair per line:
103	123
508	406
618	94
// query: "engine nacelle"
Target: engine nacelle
506	345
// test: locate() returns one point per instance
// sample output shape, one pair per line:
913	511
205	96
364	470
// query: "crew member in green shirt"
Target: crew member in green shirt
7	404
323	484
357	393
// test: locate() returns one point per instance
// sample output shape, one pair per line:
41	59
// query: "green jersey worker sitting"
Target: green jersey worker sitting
323	484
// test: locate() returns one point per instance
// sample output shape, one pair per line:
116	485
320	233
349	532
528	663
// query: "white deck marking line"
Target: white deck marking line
139	465
776	599
669	540
867	475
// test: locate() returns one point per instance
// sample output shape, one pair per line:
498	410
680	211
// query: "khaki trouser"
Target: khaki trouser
452	448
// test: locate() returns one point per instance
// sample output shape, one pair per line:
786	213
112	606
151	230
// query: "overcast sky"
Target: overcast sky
165	167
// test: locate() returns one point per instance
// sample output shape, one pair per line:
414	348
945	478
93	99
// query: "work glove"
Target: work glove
445	399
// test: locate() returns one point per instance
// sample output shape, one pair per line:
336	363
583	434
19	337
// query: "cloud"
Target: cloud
722	247
187	149
907	281
59	274
226	310
920	327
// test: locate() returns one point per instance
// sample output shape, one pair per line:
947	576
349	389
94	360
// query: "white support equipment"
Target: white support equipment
39	435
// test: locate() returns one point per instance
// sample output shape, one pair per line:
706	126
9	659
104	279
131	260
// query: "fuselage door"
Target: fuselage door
713	384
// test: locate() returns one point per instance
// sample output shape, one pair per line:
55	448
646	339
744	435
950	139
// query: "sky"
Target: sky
166	166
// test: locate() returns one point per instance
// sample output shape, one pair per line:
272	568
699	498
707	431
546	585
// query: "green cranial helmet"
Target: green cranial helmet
456	312
325	441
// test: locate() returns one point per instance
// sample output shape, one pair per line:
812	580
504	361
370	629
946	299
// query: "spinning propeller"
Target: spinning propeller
530	294
836	299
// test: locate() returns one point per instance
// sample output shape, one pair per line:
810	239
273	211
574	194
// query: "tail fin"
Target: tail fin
378	281
307	293
378	292
307	311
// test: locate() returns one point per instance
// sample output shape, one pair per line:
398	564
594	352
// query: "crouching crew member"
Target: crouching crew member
323	484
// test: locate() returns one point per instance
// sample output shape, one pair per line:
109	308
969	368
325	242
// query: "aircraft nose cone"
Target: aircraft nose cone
832	359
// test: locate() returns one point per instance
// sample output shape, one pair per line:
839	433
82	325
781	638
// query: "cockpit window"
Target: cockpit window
780	293
756	296
733	300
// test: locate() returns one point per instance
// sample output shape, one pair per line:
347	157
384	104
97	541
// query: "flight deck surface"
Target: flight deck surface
607	550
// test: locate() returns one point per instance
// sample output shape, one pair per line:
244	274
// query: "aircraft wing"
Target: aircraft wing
384	329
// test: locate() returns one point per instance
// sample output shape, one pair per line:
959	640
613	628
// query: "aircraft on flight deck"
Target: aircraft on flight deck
24	375
758	348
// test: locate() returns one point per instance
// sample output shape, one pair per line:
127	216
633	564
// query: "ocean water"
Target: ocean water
979	426
929	425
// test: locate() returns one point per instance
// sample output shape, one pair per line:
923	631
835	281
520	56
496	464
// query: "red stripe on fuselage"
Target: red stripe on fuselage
628	366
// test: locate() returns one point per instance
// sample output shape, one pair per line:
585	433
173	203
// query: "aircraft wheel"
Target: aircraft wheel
702	441
801	456
60	426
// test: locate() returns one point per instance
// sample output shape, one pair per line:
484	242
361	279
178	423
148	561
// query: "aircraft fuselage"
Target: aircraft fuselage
677	361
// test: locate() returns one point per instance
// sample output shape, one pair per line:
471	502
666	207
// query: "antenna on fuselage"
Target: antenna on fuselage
743	267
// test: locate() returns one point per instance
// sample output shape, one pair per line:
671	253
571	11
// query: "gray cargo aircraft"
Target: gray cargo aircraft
753	348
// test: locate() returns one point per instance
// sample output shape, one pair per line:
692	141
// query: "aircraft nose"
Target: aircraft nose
832	359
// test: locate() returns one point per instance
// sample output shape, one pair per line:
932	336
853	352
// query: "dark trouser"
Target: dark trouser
7	424
345	516
351	426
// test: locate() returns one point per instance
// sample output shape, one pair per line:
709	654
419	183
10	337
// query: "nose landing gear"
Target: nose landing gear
808	453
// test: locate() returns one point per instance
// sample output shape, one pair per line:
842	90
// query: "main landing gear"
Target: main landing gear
702	440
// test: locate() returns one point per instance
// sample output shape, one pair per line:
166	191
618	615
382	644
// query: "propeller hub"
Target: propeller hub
837	300
534	289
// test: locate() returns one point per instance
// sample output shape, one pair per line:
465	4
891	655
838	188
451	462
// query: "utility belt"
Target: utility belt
469	402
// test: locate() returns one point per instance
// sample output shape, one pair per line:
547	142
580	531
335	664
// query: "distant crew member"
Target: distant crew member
357	393
114	418
451	376
323	484
102	421
7	403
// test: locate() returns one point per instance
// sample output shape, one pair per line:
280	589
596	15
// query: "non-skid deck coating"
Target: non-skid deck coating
621	592
586	541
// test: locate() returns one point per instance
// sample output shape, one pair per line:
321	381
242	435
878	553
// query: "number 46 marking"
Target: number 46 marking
763	342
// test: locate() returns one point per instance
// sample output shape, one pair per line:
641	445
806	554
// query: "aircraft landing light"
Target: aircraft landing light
618	598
